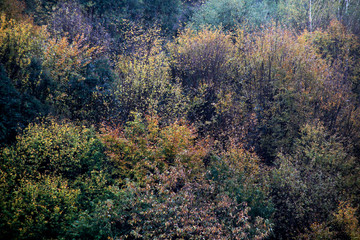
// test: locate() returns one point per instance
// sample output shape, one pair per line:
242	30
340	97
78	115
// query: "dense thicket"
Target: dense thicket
181	119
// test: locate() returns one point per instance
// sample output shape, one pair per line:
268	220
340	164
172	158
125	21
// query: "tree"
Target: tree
54	149
307	14
240	174
308	183
162	12
230	14
171	205
144	146
17	109
144	84
202	57
340	49
20	44
282	85
39	209
68	19
348	14
13	9
202	62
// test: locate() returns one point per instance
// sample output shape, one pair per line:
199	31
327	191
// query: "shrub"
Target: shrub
144	84
143	146
39	209
308	183
56	149
202	56
171	205
239	174
20	44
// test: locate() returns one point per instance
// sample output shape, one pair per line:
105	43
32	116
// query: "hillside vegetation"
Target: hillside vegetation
180	119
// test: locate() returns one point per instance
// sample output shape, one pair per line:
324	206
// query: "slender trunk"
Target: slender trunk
310	18
339	10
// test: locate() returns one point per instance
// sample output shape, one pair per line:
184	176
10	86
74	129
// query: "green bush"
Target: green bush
20	43
308	183
16	109
240	174
52	173
39	209
56	149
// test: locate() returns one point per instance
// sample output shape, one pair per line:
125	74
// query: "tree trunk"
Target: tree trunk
310	18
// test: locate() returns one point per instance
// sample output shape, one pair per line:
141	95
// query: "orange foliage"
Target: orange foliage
65	59
144	146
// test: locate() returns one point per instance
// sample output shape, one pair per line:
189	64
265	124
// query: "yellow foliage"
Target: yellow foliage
290	62
337	47
142	43
318	231
65	59
145	84
345	217
56	149
202	56
19	43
